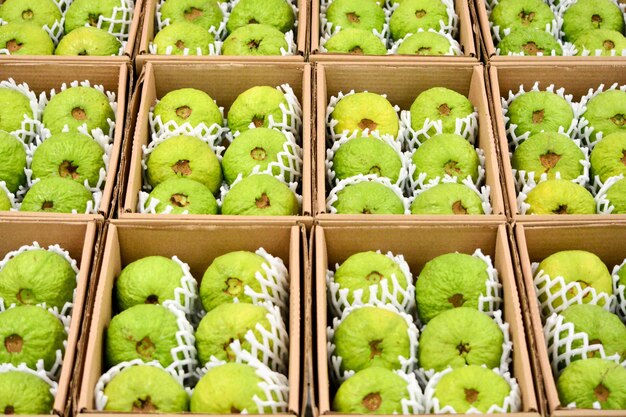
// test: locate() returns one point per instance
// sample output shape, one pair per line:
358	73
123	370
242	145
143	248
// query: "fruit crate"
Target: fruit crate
79	239
576	79
402	83
197	246
418	244
466	37
536	242
223	82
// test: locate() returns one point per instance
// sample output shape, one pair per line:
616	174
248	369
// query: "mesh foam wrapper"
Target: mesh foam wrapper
599	189
30	126
589	137
333	194
395	145
101	399
275	385
387	291
332	136
407	365
455	47
7	367
170	128
466	127
553	28
604	300
512	403
483	192
220	33
122	16
527	187
620	292
9	194
327	29
272	349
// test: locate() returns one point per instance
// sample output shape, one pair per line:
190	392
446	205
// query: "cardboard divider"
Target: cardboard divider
418	244
150	29
577	79
466	39
535	242
40	78
197	245
79	239
402	84
223	82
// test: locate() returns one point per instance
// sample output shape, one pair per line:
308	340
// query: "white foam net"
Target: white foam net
600	189
620	291
341	185
10	195
30	125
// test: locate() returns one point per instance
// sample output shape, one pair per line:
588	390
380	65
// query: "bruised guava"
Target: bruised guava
537	111
592	381
24	393
367	155
560	197
368	197
254	40
183	35
364	110
14	108
183	196
260	195
188	105
372	391
57	195
77	106
12	161
448	198
549	153
439	103
256	106
204	13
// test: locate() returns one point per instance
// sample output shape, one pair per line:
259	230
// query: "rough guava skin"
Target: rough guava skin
83	12
549	153
371	391
275	13
5	203
367	155
184	157
255	40
360	111
188	105
520	14
616	195
530	42
56	195
603	39
459	337
225	324
184	195
260	195
425	43
356	14
448	198
41	333
146	332
148	280
371	337
227	276
70	155
606	112
584	382
622	276
439	103
537	111
145	389
77	106
608	157
14	107
183	35
454	388
560	197
37	276
256	105
587	15
412	15
24	393
601	326
88	41
25	39
357	42
39	12
449	281
12	161
445	154
363	269
204	13
228	389
254	147
368	198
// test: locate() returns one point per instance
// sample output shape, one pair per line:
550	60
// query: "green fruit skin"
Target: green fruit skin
256	105
25	393
448	198
184	195
581	17
580	380
12	161
446	154
82	12
616	195
356	14
610	42
39	12
439	103
25	39
41	333
255	40
608	157
368	198
530	42
37	276
202	108
606	112
353	395
275	13
181	36
145	278
413	15
363	269
14	107
64	194
5	203
537	111
89	41
425	43
356	41
446	277
225	324
227	276
249	196
359	111
367	155
204	13
521	14
560	197
147	386
94	104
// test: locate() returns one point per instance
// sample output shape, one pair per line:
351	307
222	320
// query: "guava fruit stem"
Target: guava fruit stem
93	19
258	154
560	210
374	277
66	169
253	44
444	110
367	124
28	14
258	121
372	401
192	14
456	300
353	17
420	13
457	207
184	112
424	51
527	18
596	19
145	348
374	349
538	116
263	201
47	205
182	167
78	113
152	299
601	392
25	296
180	44
608	44
9	409
13	45
234	410
144	406
471	395
531	48
356	50
234	286
13	343
549	160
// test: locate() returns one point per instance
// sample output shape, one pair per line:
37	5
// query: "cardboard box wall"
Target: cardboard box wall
196	244
467	38
418	244
535	242
402	83
114	77
223	82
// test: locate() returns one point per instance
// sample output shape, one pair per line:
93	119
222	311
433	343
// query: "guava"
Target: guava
12	161
275	13
256	105
24	393
357	42
181	36
549	153
260	195
616	194
5	203
371	391
188	105
593	381
531	42
77	106
425	43
606	112
204	13
87	12
608	157
360	111
184	195
586	15
538	111
413	15
439	103
57	195
14	107
367	155
368	197
25	39
520	14
255	40
356	14
448	198
446	154
39	12
609	42
560	197
89	41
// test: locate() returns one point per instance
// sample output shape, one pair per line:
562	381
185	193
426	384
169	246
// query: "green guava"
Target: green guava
606	112
181	35
357	42
5	203
57	195
371	391
616	195
537	111
184	195
39	12
86	12
593	381
610	42
586	15
14	107
521	14
413	15
256	105
439	103
356	14
531	42
560	197
549	153
367	155
255	40
360	111
260	195
25	39
275	13
89	41
368	197
445	154
425	43
204	13
77	106
608	157
24	393
12	161
448	198
188	105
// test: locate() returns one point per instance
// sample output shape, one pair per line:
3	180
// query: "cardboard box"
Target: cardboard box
536	242
150	28
113	76
576	79
79	239
223	82
419	244
402	83
196	244
466	37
